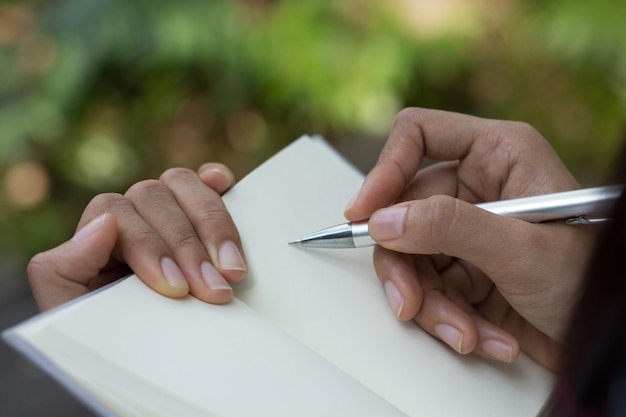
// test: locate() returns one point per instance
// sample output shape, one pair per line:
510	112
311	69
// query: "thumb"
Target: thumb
65	272
445	225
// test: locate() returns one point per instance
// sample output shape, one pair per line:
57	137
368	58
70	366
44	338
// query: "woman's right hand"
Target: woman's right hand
480	282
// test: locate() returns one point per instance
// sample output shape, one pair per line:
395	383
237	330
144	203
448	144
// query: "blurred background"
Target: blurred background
98	94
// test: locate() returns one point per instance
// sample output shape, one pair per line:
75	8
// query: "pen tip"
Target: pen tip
296	243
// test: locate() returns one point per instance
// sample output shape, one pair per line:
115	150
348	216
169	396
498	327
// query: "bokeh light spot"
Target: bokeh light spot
26	184
246	130
183	145
101	160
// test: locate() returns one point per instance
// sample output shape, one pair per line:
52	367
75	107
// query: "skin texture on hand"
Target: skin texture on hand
480	282
174	232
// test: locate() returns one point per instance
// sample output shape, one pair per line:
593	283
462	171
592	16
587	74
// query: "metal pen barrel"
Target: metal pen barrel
592	202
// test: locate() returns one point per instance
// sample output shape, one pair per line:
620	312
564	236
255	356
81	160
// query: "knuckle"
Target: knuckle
145	187
106	201
407	115
441	220
36	264
185	239
524	133
215	215
39	269
140	237
407	119
525	128
527	134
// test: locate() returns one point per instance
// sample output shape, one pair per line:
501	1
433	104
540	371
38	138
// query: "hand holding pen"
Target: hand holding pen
480	282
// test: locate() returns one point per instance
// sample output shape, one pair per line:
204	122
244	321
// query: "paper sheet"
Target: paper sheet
147	355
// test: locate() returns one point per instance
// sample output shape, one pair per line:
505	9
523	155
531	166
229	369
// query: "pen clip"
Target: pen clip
585	220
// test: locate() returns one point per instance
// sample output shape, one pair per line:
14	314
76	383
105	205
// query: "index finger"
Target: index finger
416	134
496	160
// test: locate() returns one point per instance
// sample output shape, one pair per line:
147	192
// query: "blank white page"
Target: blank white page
128	351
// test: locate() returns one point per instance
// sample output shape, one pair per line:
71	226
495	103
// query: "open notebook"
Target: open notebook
310	332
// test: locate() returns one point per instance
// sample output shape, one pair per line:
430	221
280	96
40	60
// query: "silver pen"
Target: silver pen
585	206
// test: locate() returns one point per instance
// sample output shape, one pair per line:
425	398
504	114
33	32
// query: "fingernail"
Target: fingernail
225	176
173	275
212	278
90	228
498	350
396	301
450	335
388	224
352	201
230	258
211	171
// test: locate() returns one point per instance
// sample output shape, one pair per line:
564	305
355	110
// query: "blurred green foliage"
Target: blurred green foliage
97	94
